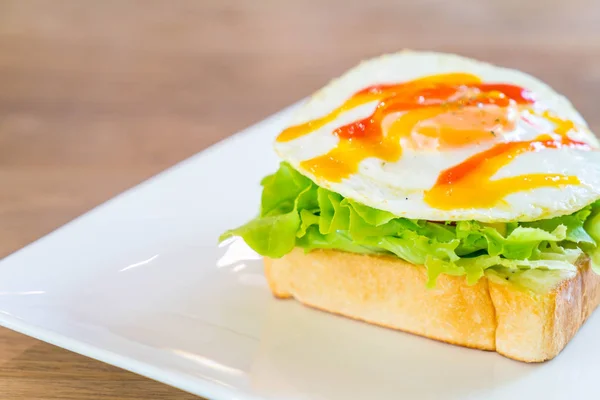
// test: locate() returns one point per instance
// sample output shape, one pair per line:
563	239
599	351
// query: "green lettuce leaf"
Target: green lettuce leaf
295	212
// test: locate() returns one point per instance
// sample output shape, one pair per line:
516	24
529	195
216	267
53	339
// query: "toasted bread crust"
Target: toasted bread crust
515	322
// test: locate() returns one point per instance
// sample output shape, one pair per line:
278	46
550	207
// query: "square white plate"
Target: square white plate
140	283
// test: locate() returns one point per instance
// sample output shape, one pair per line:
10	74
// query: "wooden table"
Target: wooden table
96	96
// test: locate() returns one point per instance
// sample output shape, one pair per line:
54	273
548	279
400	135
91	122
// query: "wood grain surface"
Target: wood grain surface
96	96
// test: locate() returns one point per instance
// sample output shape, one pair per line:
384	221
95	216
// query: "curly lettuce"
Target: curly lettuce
295	212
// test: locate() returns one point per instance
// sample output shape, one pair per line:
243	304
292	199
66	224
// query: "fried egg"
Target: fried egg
443	137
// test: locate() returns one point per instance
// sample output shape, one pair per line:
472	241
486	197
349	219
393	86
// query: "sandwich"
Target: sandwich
437	195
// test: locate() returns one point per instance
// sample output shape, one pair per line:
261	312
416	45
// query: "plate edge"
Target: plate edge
179	381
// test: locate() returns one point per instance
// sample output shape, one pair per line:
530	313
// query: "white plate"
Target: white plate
140	283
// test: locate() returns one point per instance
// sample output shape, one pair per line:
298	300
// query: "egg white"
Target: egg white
399	187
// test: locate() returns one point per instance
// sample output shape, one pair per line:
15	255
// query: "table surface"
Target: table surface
98	96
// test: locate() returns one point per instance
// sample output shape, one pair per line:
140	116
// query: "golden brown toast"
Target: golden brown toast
518	320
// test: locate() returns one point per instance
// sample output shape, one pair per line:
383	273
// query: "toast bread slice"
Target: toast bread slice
495	314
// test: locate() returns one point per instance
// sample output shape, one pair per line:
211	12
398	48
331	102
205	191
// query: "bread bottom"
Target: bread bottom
494	315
